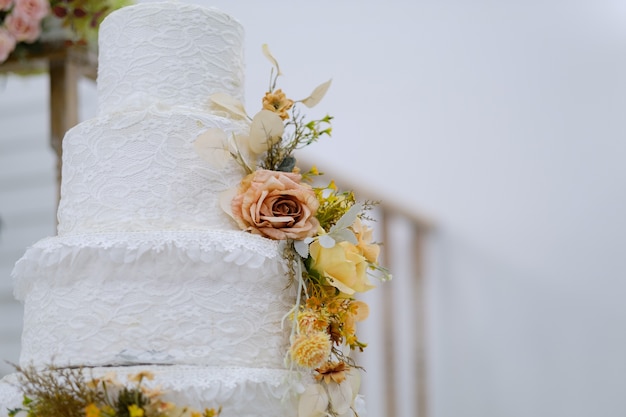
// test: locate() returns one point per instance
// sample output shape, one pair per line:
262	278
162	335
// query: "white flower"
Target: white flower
317	398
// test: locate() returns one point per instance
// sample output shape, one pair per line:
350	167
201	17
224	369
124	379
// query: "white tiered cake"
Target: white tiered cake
147	272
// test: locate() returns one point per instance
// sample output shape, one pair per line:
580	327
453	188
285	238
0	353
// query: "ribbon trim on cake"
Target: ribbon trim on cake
51	257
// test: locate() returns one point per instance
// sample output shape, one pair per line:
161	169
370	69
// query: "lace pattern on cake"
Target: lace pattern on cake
210	298
137	170
178	53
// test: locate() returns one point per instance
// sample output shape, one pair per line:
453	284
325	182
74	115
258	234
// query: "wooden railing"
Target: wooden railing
67	65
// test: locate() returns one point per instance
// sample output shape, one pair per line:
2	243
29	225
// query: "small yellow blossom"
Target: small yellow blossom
212	412
92	410
135	411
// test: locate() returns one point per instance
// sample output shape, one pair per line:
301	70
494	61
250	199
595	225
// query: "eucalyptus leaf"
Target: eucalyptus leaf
266	129
344	235
326	241
212	147
229	103
317	95
348	218
270	57
287	164
302	247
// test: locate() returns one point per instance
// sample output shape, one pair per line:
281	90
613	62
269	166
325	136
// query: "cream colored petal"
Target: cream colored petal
354	379
362	312
313	402
340	396
266	129
270	57
226	198
229	103
317	95
212	147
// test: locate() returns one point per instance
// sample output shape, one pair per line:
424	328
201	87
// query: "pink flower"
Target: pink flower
35	9
276	205
7	44
5	4
22	27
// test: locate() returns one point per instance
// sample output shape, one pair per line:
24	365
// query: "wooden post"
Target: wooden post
418	236
63	105
389	333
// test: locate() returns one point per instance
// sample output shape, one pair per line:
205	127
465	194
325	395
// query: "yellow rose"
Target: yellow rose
343	266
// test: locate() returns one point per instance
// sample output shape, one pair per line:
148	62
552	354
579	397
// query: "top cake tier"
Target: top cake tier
172	54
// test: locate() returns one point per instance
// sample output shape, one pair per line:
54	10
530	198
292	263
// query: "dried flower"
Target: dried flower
141	376
332	371
311	350
277	102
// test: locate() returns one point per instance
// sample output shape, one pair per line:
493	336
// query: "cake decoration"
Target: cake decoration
331	250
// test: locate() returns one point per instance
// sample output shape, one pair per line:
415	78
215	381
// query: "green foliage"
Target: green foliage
128	397
333	205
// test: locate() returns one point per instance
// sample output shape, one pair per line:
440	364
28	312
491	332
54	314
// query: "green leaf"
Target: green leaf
348	218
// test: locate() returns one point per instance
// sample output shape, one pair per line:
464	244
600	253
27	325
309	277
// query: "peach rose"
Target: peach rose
22	27
35	9
276	205
7	44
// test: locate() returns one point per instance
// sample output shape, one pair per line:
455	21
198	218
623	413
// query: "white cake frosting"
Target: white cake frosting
147	272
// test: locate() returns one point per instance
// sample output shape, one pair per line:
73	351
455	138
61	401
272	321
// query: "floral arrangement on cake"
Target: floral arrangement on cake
328	244
66	392
24	22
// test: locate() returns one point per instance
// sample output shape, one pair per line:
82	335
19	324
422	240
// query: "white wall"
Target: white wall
505	122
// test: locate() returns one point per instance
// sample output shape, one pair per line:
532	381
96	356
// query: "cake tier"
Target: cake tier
171	52
201	298
137	170
241	392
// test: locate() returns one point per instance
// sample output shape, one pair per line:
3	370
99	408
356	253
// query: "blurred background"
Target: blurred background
500	124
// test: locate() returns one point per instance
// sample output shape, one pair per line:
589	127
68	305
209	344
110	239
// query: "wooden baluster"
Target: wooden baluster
64	76
388	331
418	244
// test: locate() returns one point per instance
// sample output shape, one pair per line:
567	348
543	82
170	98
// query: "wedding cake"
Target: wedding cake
147	272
